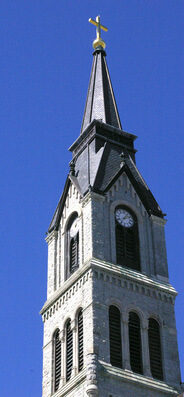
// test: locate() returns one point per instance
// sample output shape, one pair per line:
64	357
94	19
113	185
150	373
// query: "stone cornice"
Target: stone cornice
133	276
91	195
159	221
85	200
132	280
113	274
69	288
51	236
141	380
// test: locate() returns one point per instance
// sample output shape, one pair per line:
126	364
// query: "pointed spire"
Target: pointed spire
100	103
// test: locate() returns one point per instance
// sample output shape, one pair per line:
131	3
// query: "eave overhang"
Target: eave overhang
106	132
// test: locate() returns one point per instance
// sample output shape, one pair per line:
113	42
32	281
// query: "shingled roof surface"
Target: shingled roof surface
108	172
109	166
100	103
143	187
110	169
106	165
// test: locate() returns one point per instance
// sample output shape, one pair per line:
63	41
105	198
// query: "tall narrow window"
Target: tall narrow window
127	239
155	349
69	350
57	360
74	253
135	343
80	340
72	245
115	336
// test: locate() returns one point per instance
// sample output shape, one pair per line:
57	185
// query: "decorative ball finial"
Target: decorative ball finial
72	168
98	42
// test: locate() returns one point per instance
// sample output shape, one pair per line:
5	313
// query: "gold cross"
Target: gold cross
98	41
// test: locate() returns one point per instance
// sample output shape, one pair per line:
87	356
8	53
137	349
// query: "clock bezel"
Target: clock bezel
127	226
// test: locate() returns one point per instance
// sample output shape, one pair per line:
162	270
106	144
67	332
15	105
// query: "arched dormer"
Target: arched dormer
127	238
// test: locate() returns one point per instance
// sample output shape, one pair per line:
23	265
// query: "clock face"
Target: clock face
74	228
124	217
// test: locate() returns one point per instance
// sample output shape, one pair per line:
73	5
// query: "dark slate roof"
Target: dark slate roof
109	166
97	163
100	103
110	169
142	188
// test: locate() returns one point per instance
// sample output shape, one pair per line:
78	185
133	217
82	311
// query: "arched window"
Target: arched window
135	343
127	238
80	340
115	336
69	350
72	245
155	349
57	360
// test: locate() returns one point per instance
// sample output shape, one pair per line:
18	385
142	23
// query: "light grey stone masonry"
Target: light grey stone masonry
98	283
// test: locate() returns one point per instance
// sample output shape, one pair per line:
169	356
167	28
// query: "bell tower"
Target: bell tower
109	321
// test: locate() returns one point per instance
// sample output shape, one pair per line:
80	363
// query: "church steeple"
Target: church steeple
100	103
109	324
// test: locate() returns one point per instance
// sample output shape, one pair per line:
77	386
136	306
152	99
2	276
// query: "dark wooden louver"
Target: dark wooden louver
127	246
115	336
57	361
80	340
130	245
69	350
155	349
135	343
74	253
120	250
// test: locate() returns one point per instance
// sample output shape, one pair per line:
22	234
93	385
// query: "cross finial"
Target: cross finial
98	41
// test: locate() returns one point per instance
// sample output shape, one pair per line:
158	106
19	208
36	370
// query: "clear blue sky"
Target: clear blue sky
46	57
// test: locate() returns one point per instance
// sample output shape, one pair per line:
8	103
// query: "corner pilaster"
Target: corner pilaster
92	367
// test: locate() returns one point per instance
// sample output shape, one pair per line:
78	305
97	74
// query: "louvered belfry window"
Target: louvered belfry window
115	336
74	253
127	244
72	245
69	350
80	340
135	343
57	360
155	349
